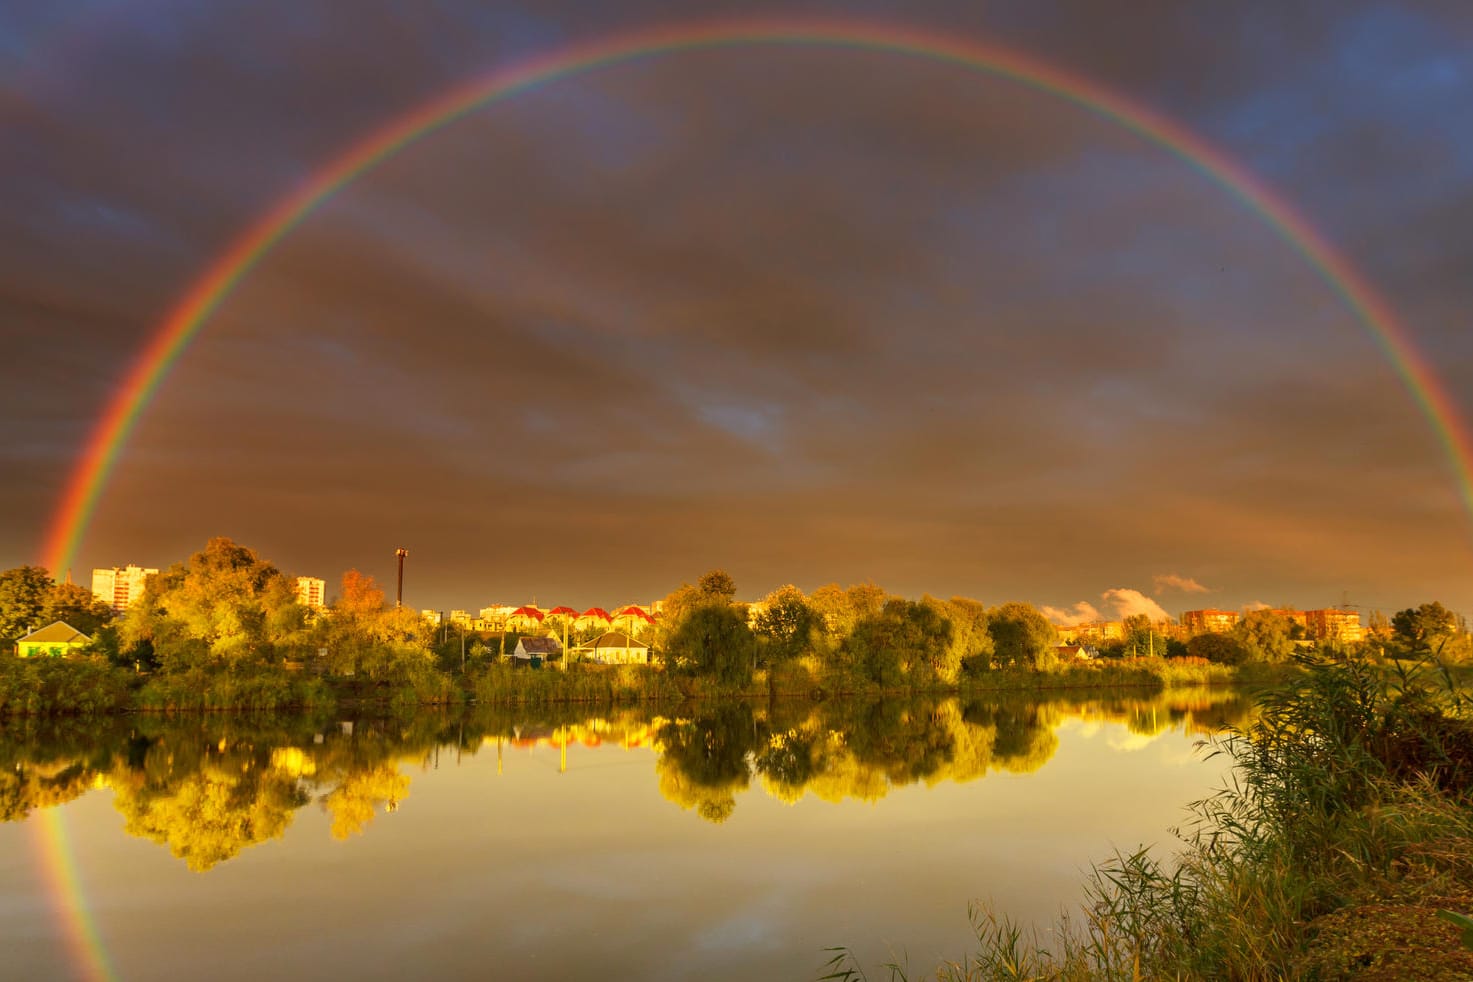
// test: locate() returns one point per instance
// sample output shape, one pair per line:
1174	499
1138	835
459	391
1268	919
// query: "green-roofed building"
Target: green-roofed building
55	639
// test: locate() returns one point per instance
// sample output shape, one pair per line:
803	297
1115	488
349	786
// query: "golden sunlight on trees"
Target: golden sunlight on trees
1021	636
224	606
704	633
1264	636
787	626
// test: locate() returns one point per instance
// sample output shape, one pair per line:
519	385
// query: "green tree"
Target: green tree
842	609
1223	649
1425	629
1021	636
1264	636
713	641
903	641
24	592
786	625
78	607
717	585
969	647
225	606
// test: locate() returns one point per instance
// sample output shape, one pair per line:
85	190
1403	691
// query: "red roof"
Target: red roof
562	612
598	612
633	611
528	612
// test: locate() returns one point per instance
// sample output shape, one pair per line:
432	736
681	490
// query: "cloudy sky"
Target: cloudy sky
804	312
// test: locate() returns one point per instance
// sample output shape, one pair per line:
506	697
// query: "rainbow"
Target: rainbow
110	434
59	870
184	322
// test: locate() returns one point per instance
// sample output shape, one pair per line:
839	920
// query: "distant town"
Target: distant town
119	586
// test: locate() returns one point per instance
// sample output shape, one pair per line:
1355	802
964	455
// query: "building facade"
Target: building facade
56	639
119	587
311	592
1209	621
1334	624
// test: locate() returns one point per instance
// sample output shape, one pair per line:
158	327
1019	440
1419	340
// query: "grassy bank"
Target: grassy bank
89	686
62	687
1349	825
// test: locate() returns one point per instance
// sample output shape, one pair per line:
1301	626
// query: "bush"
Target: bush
62	686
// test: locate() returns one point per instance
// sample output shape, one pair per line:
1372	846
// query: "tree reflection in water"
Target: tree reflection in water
208	787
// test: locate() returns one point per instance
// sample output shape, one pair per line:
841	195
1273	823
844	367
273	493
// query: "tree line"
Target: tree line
227	608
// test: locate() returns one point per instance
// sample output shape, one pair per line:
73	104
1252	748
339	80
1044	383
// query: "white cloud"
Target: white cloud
1257	605
1173	581
1130	602
1083	612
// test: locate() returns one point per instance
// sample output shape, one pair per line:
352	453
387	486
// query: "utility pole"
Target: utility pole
399	596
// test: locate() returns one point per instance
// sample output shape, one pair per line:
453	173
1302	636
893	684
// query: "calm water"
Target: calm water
721	842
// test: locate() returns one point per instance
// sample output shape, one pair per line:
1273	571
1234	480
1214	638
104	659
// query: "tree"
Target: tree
24	592
1021	636
904	640
717	585
786	625
225	606
713	640
842	609
78	607
1264	636
1425	629
969	647
1223	649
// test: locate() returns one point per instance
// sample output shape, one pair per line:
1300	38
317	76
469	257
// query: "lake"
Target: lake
728	841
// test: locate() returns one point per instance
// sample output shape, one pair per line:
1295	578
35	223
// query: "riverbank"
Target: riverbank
1347	829
90	686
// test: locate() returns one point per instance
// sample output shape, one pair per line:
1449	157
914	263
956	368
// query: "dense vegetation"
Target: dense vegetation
224	630
1336	852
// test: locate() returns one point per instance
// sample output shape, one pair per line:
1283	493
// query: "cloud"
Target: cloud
1129	603
1083	612
1172	581
1256	605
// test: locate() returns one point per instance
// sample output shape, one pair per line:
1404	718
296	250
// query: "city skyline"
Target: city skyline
814	311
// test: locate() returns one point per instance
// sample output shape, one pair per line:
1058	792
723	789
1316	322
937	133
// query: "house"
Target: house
614	648
59	638
543	649
1075	652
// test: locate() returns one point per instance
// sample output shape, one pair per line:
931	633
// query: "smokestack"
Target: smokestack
399	595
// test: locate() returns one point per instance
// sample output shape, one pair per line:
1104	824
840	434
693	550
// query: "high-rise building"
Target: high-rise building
1334	624
311	592
433	616
1208	621
119	587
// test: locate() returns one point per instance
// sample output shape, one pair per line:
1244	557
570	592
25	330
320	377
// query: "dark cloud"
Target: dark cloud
811	314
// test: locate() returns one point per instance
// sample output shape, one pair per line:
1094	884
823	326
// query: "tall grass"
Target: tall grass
199	690
581	683
82	686
1347	823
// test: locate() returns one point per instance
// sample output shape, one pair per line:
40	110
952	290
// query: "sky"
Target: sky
806	313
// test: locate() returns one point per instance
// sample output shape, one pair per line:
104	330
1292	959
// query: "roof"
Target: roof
616	639
59	632
540	646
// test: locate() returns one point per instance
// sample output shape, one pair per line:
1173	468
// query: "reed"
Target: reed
1346	826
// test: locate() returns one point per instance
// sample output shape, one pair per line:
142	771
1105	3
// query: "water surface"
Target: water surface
728	841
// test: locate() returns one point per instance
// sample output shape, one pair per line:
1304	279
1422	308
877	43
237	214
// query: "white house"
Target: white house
615	648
